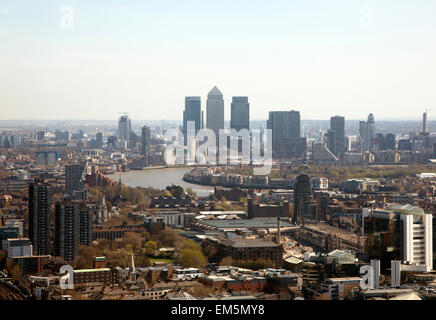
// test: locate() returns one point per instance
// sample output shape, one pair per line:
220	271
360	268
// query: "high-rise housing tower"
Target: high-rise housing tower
85	225
146	144
302	193
74	177
215	111
67	229
240	113
39	217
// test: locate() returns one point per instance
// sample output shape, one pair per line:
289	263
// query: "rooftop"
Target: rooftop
264	223
243	243
215	92
92	270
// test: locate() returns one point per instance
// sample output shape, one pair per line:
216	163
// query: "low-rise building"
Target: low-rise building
17	247
339	288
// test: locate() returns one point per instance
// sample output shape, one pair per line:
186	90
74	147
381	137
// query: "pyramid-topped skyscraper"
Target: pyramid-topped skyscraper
215	111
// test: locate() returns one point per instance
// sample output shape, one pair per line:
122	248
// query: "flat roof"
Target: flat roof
264	223
242	243
220	213
91	270
344	279
100	259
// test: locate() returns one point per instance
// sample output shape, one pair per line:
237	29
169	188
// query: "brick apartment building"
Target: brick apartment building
241	248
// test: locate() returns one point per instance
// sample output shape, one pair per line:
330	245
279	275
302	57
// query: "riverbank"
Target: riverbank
160	178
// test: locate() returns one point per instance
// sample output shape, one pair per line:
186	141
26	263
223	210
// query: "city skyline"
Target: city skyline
313	57
231	152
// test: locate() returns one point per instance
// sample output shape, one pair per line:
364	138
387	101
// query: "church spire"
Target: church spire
132	268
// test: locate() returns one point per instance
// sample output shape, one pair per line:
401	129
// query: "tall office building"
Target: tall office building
99	140
337	143
74	178
389	142
284	124
146	144
302	194
331	141
367	134
286	140
240	113
380	141
39	217
215	111
124	128
193	113
67	229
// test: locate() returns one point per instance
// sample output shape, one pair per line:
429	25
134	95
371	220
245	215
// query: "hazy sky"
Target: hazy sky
143	57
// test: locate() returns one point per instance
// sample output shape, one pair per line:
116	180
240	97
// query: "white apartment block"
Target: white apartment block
19	247
418	239
173	219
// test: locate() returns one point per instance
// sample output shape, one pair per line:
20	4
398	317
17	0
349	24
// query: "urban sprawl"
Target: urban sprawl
341	197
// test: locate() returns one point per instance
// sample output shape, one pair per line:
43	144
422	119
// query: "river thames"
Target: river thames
159	179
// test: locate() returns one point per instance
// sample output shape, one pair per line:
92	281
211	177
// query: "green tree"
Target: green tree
191	245
176	191
150	247
166	193
191	259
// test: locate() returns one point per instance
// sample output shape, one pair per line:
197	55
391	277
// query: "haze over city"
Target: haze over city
145	57
233	152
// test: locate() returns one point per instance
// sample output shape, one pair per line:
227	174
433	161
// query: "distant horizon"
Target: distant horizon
92	59
226	121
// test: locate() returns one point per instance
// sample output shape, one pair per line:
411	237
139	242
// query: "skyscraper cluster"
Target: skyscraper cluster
240	113
72	218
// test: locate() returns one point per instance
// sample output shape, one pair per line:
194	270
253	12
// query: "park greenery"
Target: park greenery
337	173
145	248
